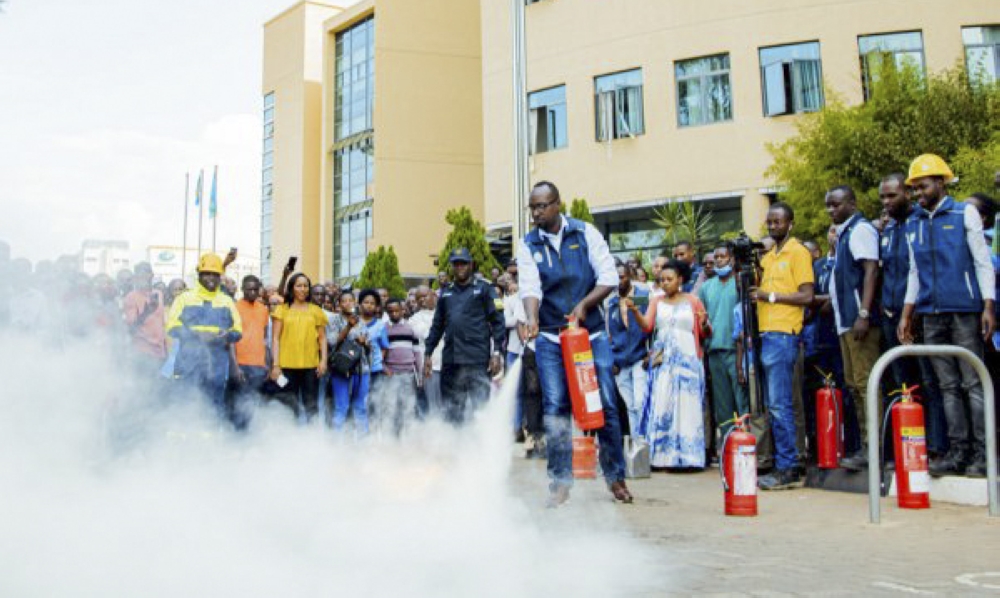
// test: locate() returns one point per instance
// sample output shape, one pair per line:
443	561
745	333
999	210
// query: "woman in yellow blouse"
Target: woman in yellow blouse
298	346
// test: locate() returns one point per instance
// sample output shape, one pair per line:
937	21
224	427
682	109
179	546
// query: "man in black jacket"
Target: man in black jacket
473	331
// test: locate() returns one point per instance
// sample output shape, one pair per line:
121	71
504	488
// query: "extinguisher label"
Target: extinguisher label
745	471
912	431
587	375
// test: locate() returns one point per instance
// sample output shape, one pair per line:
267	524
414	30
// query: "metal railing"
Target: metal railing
874	442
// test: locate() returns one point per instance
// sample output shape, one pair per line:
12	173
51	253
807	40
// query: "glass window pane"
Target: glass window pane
689	102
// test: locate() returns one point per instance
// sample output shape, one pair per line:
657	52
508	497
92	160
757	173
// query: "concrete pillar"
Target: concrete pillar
754	207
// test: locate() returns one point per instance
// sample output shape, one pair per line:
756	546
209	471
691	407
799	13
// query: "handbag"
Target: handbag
346	358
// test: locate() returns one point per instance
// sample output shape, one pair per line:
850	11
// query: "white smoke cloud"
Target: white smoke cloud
108	492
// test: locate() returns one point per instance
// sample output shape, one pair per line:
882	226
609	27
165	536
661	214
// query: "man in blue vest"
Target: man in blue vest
951	286
853	288
629	346
895	258
566	270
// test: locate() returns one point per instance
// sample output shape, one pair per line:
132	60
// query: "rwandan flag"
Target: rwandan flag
212	202
197	191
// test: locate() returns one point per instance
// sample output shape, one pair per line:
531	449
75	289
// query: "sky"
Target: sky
106	104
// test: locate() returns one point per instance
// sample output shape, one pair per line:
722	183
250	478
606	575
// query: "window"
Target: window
791	78
354	81
982	53
618	105
547	120
267	187
353	160
899	50
704	93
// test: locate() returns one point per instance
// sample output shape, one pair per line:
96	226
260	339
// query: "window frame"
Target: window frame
981	45
866	81
795	92
703	78
535	113
615	96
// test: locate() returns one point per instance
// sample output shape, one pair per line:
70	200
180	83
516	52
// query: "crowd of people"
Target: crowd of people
923	272
672	347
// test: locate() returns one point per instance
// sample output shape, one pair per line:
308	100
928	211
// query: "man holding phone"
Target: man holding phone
629	343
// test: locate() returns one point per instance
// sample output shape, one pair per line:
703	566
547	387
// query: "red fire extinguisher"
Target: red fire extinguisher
909	441
829	424
739	469
581	376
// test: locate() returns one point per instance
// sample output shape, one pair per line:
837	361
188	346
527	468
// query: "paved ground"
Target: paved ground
804	542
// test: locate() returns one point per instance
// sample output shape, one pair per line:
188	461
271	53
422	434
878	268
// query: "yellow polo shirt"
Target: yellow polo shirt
784	272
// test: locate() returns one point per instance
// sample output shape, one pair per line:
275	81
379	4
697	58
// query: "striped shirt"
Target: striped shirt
401	356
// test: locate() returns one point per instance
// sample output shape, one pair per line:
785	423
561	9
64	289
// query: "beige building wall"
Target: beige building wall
428	128
293	69
572	41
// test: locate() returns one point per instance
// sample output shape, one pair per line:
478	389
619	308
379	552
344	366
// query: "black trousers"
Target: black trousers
301	391
531	393
464	388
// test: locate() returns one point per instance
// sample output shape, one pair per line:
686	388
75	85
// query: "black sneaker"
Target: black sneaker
780	479
953	463
856	462
977	465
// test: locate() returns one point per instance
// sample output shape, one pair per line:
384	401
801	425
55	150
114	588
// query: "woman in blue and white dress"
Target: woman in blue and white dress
672	417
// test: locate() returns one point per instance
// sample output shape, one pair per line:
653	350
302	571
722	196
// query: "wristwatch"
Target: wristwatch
772	298
863	314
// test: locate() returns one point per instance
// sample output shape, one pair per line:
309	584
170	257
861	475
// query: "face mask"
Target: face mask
723	272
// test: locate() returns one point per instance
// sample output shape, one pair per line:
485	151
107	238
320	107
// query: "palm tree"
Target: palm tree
685	221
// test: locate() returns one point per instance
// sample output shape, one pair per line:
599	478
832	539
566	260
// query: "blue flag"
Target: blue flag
197	191
212	205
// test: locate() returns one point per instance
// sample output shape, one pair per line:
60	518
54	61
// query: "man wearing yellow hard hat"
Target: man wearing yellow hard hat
951	287
205	322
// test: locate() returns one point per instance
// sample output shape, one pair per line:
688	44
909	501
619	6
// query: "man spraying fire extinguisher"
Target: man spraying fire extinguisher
566	271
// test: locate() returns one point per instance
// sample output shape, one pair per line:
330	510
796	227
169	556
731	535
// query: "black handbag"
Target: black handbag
346	358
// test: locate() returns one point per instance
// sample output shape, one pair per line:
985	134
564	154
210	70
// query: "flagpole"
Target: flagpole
201	207
184	243
213	209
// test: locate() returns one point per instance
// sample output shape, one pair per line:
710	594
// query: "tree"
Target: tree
685	221
906	115
580	210
466	232
381	270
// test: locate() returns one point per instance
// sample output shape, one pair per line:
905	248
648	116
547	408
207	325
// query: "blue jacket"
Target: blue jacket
825	335
850	275
468	319
895	259
628	341
948	282
200	310
566	276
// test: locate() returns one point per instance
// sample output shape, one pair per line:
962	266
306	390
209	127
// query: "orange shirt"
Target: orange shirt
250	350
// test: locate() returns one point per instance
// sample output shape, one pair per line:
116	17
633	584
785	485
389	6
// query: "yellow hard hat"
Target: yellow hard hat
929	165
210	262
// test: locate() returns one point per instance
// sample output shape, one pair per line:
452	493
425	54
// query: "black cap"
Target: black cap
460	254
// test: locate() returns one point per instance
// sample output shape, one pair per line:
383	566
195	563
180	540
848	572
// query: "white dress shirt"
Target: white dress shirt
598	254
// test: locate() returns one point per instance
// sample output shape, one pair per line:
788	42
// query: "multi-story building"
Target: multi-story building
391	87
636	104
633	105
104	257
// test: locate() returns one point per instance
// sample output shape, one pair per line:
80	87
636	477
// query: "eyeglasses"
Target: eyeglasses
541	206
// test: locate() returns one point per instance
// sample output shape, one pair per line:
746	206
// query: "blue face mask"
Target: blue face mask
723	272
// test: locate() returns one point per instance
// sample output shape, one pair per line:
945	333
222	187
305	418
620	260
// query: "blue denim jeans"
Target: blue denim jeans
350	394
633	385
556	409
778	353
